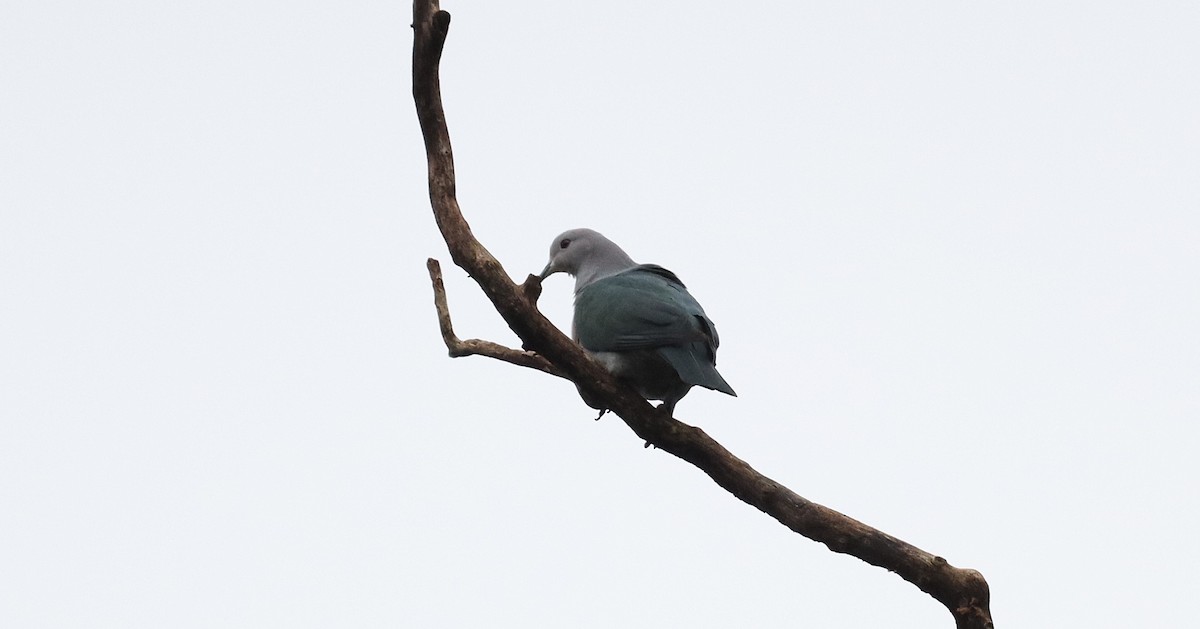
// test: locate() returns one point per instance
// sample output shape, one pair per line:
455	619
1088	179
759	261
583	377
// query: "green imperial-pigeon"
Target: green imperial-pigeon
638	320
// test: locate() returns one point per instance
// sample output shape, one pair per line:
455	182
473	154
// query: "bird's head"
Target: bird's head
571	250
586	255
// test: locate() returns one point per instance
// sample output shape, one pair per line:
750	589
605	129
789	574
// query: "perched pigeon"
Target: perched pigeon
638	320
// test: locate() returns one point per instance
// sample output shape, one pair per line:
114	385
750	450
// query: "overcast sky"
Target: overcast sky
951	249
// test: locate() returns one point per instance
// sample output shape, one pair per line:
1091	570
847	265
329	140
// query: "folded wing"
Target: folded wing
647	307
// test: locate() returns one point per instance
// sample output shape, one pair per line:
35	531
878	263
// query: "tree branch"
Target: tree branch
477	347
963	591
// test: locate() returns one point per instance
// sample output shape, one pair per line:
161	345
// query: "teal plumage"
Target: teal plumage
638	320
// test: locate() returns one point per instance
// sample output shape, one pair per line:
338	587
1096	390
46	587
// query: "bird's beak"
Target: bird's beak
547	272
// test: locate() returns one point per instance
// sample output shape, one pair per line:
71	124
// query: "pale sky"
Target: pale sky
951	249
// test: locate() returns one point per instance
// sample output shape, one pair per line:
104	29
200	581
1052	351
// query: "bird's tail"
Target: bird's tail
686	359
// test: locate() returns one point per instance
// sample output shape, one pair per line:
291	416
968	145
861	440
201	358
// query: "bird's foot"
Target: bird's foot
602	412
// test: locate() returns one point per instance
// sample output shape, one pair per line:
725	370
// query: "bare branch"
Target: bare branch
476	347
963	591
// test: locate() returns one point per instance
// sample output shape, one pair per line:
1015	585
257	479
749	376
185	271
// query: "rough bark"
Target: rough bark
963	591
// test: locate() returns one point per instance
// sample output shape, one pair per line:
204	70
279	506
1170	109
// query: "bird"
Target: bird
637	320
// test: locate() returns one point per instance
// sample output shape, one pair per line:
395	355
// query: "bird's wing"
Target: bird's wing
642	308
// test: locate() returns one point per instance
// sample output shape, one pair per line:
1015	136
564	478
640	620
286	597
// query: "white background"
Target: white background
951	250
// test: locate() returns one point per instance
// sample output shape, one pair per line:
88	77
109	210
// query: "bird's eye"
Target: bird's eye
564	243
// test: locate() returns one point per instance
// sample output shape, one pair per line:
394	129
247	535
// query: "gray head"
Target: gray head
587	255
